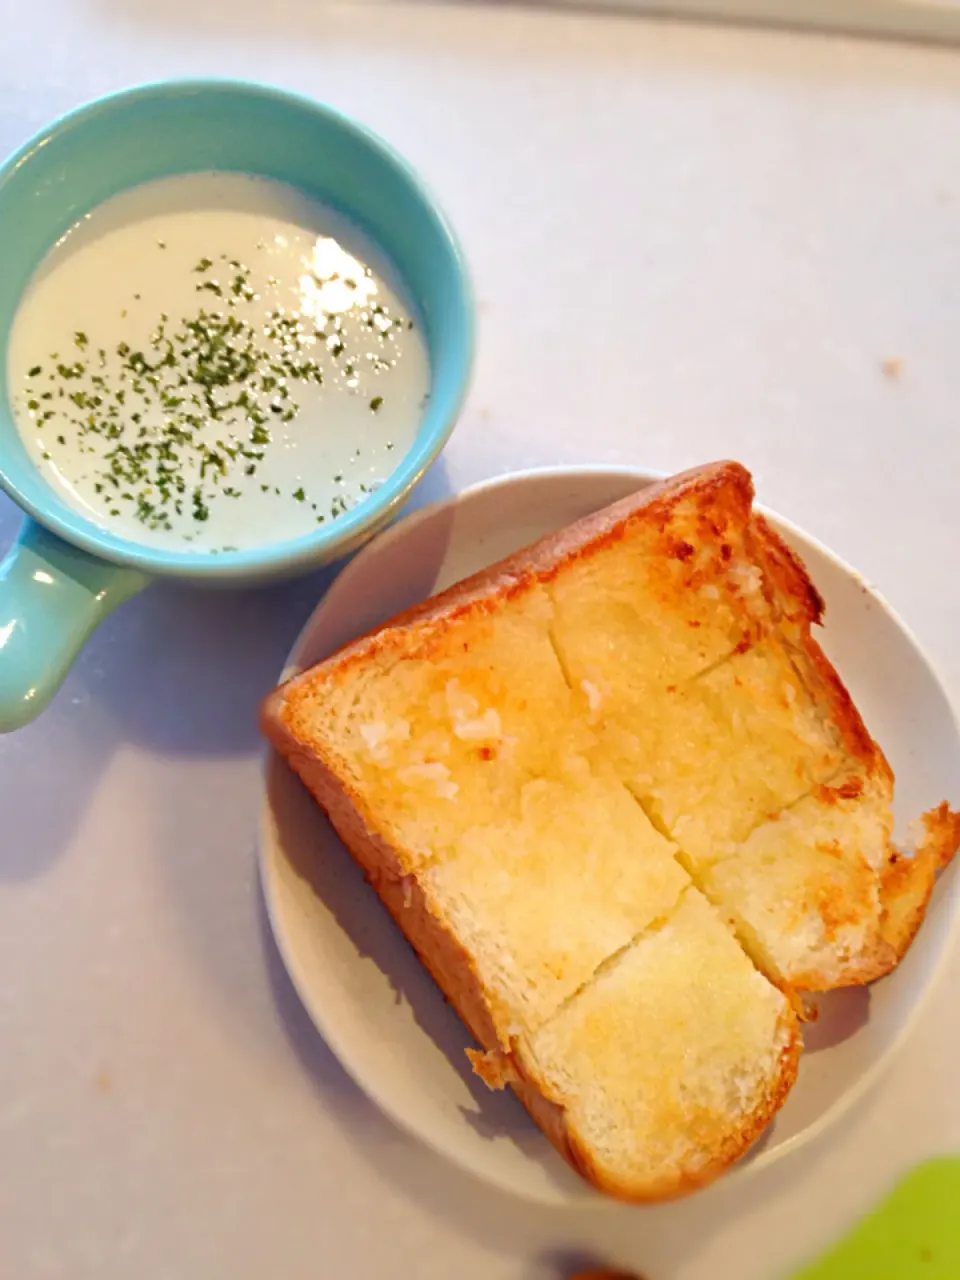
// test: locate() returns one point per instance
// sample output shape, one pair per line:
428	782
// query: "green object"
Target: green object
913	1235
52	595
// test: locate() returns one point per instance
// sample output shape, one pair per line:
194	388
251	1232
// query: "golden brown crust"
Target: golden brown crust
604	1275
494	1067
798	604
724	493
554	1121
849	789
447	961
789	588
864	968
905	890
551	1120
908	881
829	690
942	834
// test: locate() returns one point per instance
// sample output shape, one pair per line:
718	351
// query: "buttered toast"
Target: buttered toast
624	810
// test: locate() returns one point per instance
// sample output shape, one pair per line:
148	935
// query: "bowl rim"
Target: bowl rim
750	1165
368	516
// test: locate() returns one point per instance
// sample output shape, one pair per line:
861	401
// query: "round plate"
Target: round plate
363	985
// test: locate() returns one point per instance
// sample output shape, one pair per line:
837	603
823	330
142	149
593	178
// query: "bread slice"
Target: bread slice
670	1062
623	808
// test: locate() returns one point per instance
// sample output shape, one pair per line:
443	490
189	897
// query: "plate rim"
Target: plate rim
400	528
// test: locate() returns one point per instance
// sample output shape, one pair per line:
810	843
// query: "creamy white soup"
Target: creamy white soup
212	362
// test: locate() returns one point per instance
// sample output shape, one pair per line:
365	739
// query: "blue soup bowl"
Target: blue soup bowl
65	573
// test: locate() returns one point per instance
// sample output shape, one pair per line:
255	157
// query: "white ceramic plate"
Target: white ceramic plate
362	984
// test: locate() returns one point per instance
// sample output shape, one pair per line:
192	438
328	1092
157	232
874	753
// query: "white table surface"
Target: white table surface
687	243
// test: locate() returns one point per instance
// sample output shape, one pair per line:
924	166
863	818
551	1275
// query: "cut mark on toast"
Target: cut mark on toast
711	667
615	957
768	818
708	670
650	813
661	827
743	935
558	654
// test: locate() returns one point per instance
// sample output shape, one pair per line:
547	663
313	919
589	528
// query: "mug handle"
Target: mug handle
52	595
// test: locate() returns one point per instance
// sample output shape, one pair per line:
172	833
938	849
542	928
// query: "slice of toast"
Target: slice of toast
544	770
669	1063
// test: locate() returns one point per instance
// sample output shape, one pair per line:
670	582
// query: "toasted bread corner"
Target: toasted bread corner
908	880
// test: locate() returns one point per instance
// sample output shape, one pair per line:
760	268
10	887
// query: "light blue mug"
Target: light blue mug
65	573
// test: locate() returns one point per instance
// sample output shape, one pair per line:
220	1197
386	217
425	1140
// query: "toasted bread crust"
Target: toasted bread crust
554	1121
441	952
942	838
790	590
906	886
724	493
867	967
800	606
908	882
